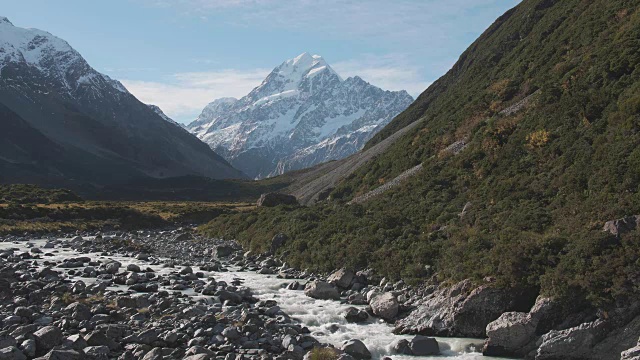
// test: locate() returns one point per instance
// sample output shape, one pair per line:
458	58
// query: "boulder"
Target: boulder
47	338
12	353
321	290
112	267
355	315
620	226
463	310
62	355
356	348
574	343
275	199
632	353
341	278
277	241
424	346
385	305
510	334
223	251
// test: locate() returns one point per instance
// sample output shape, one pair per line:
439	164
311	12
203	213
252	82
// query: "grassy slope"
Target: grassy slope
541	182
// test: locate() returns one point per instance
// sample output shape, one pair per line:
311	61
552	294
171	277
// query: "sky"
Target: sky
183	54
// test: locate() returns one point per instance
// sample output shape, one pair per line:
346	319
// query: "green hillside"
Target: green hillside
541	181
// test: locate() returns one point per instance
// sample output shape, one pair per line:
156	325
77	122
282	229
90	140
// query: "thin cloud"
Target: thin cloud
389	72
183	96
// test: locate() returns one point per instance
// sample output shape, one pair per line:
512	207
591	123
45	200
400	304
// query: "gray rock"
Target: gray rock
97	352
29	347
277	241
112	267
7	340
509	334
223	251
275	199
424	346
48	337
321	290
155	354
620	226
356	348
341	278
573	343
385	305
355	315
133	267
62	355
11	353
462	310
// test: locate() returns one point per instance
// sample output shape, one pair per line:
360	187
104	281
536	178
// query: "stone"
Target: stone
62	355
79	311
355	315
76	342
155	354
356	348
48	337
385	305
97	352
133	267
424	346
321	290
223	251
7	340
277	241
620	226
112	267
99	338
12	353
463	310
572	343
341	278
508	334
275	199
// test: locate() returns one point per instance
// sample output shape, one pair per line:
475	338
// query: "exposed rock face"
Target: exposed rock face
302	114
509	334
553	330
277	241
321	290
621	226
341	278
385	305
275	199
631	354
462	311
573	343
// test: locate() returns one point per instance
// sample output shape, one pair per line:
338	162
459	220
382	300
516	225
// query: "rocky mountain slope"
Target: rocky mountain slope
522	198
302	114
64	123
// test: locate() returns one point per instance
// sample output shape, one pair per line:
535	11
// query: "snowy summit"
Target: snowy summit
302	114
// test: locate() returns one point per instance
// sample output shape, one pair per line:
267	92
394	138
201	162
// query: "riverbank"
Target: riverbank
169	295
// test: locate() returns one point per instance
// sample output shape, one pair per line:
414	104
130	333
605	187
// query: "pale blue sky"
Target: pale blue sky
182	54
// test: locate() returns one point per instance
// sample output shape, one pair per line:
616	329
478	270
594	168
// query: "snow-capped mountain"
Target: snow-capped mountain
302	114
89	128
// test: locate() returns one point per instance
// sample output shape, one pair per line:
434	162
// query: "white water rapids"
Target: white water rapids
323	317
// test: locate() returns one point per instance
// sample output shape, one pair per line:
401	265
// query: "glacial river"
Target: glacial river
323	317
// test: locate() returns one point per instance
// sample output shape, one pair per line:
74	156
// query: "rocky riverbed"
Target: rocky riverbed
176	295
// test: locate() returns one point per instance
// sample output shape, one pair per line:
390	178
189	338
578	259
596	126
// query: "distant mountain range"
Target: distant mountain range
302	114
64	123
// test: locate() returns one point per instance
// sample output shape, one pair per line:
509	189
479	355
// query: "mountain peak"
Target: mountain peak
4	20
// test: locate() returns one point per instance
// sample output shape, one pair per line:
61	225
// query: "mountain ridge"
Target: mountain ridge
47	84
302	114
